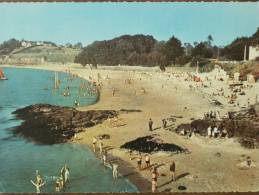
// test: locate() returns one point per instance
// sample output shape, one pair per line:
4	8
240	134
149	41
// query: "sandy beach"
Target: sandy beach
201	170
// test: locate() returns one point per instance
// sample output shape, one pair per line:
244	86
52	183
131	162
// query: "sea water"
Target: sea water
20	158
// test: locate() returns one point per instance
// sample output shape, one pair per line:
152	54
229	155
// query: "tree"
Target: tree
195	43
78	45
173	49
202	50
209	40
235	51
68	45
8	46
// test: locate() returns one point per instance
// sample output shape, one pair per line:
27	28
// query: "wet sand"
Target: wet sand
200	171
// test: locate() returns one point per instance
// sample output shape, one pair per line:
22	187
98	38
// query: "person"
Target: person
224	133
139	159
94	143
215	132
104	157
164	122
76	103
115	170
150	124
66	174
154	179
38	186
209	131
130	154
172	170
218	116
147	159
61	181
113	92
39	179
57	185
101	146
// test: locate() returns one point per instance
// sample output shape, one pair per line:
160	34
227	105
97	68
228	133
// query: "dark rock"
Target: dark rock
201	126
218	154
48	124
185	127
243	125
130	110
216	103
182	188
149	144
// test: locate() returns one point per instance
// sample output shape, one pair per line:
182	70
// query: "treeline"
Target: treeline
147	51
144	50
235	50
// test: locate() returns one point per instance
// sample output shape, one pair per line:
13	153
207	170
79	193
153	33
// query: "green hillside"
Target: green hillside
41	54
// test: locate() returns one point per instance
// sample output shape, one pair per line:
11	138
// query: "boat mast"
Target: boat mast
55	80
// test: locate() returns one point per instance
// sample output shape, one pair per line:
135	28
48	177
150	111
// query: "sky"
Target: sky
89	22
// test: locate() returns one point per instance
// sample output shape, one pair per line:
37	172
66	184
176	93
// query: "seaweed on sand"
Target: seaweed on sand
149	144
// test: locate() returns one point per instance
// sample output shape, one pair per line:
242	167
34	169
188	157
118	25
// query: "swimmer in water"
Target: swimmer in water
38	186
114	170
38	177
57	186
65	174
61	181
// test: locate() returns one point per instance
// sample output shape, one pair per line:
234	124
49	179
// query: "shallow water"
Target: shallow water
19	158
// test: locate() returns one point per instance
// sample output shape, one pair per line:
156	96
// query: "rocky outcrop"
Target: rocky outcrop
152	143
243	125
49	124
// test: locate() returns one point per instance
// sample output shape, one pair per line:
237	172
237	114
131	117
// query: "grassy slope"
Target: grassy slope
50	53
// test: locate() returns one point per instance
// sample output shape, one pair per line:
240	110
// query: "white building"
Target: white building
38	43
26	44
253	52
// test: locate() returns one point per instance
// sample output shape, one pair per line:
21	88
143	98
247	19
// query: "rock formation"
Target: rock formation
48	124
152	143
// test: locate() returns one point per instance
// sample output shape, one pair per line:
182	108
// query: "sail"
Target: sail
1	74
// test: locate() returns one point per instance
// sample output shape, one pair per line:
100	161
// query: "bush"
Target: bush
182	60
204	64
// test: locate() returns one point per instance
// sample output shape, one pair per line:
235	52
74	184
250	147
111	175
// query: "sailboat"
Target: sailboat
2	76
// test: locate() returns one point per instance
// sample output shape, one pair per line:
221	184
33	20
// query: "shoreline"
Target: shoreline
166	97
125	169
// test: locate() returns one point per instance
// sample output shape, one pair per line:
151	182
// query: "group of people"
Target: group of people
61	181
212	115
153	169
98	143
155	175
150	124
216	132
139	160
